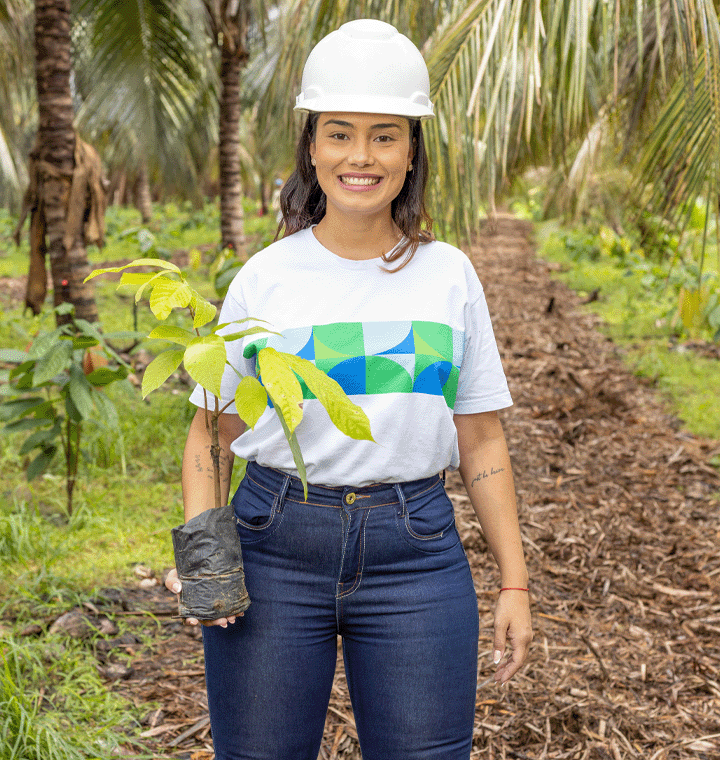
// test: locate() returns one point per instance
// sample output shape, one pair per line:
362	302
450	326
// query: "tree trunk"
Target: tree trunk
143	199
231	211
56	157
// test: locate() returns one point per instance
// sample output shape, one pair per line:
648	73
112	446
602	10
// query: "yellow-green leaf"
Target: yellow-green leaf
204	310
249	331
282	385
174	334
250	400
137	263
160	369
297	454
157	276
347	417
205	362
167	295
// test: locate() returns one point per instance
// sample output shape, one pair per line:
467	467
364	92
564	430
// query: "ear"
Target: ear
312	149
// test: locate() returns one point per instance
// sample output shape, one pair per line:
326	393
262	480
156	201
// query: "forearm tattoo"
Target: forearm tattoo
484	474
207	468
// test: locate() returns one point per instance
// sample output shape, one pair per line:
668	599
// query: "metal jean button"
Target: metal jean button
350	498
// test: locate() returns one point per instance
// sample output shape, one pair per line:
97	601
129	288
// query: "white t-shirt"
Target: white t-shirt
410	347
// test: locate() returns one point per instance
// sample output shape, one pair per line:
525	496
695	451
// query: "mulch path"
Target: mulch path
619	509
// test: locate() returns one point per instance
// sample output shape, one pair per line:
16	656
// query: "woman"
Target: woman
359	285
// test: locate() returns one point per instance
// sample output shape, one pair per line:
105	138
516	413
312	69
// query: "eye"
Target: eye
385	138
338	136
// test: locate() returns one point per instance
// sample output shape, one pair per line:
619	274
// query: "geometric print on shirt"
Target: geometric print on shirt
378	357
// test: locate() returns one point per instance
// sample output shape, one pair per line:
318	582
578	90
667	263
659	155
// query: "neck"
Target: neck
358	238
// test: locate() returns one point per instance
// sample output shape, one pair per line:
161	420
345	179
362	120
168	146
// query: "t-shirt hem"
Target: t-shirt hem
487	405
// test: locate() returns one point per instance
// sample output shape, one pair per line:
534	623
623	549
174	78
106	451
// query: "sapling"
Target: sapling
204	357
55	387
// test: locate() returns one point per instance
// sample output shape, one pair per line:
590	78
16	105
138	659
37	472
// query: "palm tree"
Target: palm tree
18	116
229	22
147	86
523	82
64	173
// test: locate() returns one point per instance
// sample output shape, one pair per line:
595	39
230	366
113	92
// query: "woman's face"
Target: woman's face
361	161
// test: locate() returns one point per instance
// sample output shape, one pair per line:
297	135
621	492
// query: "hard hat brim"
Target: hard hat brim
359	104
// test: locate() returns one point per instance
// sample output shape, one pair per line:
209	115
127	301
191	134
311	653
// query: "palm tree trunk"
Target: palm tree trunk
56	157
143	199
232	229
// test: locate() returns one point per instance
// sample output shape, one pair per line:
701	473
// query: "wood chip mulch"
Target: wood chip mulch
620	512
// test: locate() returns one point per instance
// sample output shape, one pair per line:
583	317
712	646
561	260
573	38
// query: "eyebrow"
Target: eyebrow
352	126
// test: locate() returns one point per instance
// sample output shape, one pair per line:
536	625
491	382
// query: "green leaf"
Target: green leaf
103	376
80	391
20	407
19	426
282	385
204	311
53	362
107	411
39	438
137	263
84	341
171	333
347	417
250	400
167	295
12	356
40	463
297	454
205	362
72	411
43	343
160	369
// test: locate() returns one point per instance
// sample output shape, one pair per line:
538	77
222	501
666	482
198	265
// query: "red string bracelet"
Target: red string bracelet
510	588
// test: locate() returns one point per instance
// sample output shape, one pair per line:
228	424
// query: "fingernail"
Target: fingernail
176	588
231	619
192	621
497	656
223	625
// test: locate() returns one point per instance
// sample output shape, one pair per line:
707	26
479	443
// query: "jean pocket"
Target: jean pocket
429	522
257	512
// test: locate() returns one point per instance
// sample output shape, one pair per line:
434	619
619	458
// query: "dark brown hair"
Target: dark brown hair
302	201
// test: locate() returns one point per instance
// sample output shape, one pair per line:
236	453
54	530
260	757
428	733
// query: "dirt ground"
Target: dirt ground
619	510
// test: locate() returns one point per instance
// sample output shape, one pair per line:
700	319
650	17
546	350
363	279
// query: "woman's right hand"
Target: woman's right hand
172	583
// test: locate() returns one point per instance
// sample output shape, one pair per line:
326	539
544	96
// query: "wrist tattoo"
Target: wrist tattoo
484	474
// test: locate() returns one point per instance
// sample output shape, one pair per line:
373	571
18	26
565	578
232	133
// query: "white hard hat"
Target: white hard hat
366	66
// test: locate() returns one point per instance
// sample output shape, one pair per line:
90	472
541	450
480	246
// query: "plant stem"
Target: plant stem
215	451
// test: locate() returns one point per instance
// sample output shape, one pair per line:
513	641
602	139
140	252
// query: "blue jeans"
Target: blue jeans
383	567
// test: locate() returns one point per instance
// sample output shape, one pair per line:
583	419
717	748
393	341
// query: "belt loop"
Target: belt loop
401	499
442	477
283	492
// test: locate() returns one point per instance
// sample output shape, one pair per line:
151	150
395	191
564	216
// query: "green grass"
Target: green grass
54	705
638	303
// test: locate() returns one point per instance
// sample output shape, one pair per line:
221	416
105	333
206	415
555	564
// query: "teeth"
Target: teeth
360	180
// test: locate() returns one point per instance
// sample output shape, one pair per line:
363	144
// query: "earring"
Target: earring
409	167
312	161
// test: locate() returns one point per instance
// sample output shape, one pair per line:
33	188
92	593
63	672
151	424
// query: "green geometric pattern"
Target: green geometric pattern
378	357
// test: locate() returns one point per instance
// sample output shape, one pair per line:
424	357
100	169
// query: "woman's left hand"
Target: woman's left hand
513	627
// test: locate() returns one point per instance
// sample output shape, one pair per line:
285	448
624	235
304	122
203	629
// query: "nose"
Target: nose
360	155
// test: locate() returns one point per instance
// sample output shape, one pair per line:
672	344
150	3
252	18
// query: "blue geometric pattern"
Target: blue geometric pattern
378	357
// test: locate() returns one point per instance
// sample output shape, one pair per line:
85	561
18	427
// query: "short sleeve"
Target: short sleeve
482	386
232	310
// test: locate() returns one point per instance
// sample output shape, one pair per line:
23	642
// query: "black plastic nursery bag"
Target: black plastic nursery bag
210	567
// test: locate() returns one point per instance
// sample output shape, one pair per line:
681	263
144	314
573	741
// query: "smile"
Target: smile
359	181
